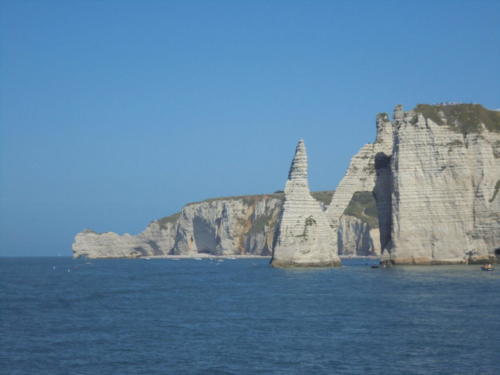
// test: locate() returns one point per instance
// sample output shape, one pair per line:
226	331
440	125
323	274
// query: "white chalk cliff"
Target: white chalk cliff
223	226
437	190
425	192
157	237
229	226
244	225
304	237
356	238
358	229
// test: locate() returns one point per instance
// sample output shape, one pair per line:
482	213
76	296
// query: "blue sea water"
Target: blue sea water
65	316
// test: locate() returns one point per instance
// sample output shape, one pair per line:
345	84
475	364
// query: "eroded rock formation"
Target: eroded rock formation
243	225
359	181
434	173
154	240
230	226
437	189
304	237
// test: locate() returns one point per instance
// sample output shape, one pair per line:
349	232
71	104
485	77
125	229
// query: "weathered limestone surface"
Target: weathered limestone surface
231	226
434	173
244	225
152	241
225	226
355	238
304	237
439	187
360	177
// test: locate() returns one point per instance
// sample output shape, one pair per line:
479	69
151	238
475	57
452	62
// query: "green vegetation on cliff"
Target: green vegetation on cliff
164	221
363	207
463	118
247	199
324	197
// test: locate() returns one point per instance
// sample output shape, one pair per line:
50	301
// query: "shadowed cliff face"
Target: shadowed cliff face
382	194
360	182
206	239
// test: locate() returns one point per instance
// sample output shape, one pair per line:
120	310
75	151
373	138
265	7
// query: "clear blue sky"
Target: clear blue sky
114	113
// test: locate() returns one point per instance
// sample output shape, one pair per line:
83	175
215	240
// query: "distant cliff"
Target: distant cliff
220	226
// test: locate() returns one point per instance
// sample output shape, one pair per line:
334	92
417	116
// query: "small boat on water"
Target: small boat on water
487	267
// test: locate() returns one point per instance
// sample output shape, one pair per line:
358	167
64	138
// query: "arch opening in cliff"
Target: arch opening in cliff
204	236
383	198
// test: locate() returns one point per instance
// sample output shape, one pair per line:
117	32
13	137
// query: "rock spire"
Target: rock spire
304	237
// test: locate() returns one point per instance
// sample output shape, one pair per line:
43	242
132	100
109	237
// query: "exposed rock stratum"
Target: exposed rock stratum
437	189
304	237
425	192
244	225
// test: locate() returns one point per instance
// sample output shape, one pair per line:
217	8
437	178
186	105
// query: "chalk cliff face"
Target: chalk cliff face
231	226
437	190
157	237
247	224
359	181
304	237
426	191
243	225
224	226
355	238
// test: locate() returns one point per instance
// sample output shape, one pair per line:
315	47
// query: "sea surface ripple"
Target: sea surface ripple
79	317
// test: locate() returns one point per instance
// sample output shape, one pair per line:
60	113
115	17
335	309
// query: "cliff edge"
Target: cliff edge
231	226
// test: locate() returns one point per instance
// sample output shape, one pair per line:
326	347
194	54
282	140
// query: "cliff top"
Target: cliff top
246	198
168	219
324	197
464	118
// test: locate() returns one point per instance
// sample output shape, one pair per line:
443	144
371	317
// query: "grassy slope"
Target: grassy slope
363	206
322	196
463	118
